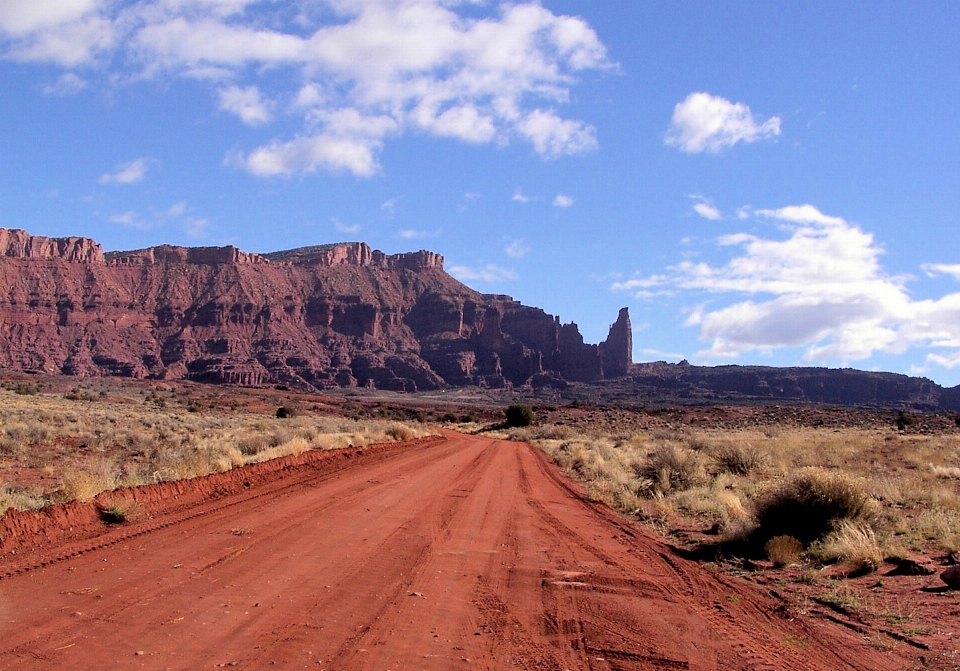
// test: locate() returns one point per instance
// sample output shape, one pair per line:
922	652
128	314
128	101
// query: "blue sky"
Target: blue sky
760	182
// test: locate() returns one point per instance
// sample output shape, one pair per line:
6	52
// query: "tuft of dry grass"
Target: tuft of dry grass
783	550
83	483
671	467
852	544
737	459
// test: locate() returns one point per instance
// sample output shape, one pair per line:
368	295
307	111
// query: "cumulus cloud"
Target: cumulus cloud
489	274
552	136
246	103
822	288
706	123
128	173
518	197
474	72
562	201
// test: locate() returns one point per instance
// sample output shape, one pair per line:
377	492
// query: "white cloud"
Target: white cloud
802	214
705	208
709	123
934	269
489	274
67	84
246	103
344	228
517	249
197	227
553	136
125	218
562	201
411	234
390	206
306	154
128	173
475	72
707	211
518	197
25	16
177	209
822	288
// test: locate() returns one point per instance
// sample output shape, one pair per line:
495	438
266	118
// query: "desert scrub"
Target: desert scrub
114	444
809	505
902	488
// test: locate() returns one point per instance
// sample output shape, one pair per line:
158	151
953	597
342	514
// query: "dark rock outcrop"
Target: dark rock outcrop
682	383
315	317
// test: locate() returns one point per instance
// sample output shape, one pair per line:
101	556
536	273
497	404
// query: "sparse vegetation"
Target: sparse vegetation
111	444
847	496
113	515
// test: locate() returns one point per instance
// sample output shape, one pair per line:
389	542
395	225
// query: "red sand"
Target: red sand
467	553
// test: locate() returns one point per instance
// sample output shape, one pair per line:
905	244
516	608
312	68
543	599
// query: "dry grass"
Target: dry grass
783	550
852	544
847	492
21	498
104	445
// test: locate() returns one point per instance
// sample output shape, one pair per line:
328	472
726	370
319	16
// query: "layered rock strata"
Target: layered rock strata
317	317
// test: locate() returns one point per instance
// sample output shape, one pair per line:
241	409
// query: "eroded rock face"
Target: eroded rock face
314	318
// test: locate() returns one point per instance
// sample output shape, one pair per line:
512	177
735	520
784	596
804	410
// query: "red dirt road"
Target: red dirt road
464	554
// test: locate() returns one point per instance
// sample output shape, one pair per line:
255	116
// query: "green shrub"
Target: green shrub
809	505
520	414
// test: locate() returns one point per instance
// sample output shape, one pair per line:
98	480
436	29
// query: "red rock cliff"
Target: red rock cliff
316	317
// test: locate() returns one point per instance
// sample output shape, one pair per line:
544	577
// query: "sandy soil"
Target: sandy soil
468	553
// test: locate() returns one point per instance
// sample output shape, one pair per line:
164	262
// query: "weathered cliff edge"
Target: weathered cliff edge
317	317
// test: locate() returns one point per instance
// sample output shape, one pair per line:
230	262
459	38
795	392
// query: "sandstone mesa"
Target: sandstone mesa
339	315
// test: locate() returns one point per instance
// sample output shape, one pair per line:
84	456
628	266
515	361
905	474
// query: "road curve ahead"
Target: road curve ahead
465	554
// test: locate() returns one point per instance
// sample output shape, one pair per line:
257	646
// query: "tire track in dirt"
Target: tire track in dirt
466	554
